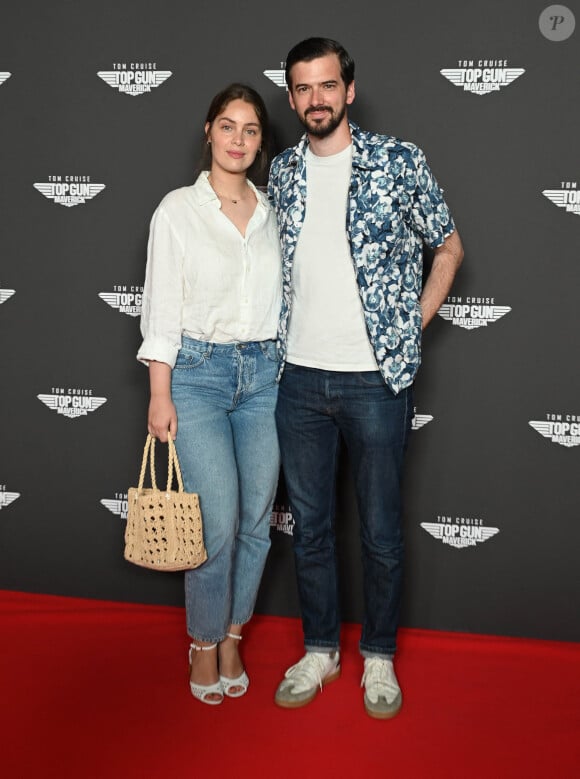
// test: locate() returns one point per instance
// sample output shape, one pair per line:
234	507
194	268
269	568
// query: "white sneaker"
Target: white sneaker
383	697
304	680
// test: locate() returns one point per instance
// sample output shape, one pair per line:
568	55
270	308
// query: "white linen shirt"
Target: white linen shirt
204	279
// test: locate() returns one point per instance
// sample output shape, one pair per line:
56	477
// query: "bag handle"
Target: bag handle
173	463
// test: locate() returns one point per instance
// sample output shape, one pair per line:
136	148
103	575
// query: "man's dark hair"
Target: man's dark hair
313	48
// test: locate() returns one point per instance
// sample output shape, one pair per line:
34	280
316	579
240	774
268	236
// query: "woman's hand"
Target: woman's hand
162	417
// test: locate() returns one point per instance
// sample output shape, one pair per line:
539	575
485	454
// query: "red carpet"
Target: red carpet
99	690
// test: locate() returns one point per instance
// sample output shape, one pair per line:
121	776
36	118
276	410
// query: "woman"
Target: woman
210	310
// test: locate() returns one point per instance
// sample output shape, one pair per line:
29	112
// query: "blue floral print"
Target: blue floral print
394	205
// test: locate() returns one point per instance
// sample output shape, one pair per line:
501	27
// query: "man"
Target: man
350	333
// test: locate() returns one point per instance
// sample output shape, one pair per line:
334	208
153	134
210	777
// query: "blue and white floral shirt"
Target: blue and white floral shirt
394	205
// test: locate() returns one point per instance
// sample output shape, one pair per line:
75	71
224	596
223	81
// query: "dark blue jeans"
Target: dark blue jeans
315	407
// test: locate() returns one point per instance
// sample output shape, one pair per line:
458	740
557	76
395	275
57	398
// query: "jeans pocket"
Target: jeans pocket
190	357
269	350
371	378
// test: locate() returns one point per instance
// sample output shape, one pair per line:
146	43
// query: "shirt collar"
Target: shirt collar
360	155
204	192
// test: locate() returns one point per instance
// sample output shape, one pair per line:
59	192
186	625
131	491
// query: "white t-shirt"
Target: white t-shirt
327	328
204	279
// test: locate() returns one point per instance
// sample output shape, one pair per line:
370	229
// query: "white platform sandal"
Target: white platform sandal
201	691
229	685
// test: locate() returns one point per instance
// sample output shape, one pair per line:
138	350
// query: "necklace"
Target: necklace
235	201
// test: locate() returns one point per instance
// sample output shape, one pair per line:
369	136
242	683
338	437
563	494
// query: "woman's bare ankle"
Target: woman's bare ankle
204	663
230	662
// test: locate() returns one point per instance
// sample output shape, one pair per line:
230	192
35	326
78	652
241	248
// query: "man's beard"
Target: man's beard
325	127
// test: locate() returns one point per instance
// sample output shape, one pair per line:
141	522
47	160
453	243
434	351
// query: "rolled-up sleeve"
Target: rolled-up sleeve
162	304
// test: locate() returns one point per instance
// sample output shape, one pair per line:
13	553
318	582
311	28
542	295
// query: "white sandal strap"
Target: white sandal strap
199	648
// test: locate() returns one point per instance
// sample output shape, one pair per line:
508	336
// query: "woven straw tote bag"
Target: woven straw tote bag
164	527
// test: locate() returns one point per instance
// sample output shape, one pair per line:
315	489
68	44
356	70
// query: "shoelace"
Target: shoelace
308	670
377	674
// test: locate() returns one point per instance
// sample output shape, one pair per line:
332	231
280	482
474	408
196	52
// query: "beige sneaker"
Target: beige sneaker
304	680
383	697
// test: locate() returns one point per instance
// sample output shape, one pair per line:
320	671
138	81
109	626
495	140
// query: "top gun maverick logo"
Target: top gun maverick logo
126	299
135	79
568	196
563	429
472	312
117	505
278	76
282	520
6	498
419	420
459	532
69	190
5	294
72	403
480	77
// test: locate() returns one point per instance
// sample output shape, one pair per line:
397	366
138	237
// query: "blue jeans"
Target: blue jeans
315	408
225	396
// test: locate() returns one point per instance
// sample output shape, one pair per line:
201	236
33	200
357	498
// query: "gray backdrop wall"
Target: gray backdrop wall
102	113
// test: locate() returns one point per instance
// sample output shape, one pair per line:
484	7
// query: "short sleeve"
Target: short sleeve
429	211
